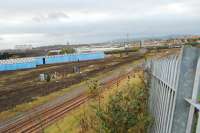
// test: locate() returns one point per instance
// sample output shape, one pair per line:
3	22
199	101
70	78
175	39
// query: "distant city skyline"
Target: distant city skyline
48	22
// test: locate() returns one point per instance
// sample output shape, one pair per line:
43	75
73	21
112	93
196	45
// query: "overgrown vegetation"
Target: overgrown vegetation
4	56
122	51
158	47
123	111
94	87
67	51
191	40
193	43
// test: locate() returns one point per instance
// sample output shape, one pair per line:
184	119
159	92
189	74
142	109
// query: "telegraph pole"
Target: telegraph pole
126	43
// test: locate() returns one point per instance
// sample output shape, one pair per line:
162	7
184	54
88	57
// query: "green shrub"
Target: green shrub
125	112
67	51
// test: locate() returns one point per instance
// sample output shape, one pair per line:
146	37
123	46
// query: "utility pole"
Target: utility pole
126	43
127	39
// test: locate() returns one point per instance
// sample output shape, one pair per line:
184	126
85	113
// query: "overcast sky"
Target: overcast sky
44	22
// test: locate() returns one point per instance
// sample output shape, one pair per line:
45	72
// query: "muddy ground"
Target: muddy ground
22	86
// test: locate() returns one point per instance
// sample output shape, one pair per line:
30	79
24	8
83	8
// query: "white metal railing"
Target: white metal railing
194	102
174	89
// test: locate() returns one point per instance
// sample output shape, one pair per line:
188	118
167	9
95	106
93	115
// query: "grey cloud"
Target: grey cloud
121	25
143	17
50	16
56	15
86	5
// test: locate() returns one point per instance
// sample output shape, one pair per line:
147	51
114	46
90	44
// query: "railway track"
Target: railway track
37	121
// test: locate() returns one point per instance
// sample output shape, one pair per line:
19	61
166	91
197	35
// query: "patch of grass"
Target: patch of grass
70	123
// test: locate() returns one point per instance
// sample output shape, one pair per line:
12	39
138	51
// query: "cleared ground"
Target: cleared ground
23	86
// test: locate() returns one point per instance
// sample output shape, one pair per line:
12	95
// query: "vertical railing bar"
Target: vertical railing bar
161	94
165	108
161	105
157	105
169	110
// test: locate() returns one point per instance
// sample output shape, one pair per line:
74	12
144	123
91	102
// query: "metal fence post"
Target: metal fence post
188	63
196	91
